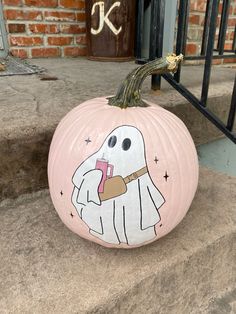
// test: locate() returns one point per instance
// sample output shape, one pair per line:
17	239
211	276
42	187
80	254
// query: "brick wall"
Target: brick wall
196	24
56	28
45	28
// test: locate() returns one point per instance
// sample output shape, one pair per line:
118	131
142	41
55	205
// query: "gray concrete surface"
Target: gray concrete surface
28	104
30	109
224	304
45	268
218	155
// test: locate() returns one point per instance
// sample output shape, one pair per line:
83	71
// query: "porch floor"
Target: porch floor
28	103
45	268
219	155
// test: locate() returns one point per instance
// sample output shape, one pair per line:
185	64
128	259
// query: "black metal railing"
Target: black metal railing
208	52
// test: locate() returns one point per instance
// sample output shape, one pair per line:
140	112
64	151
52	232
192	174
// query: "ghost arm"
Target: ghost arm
86	187
86	200
74	196
150	201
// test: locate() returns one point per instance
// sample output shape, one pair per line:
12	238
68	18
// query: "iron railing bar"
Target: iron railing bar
234	40
209	52
141	61
156	79
139	27
232	111
198	105
223	26
181	38
153	27
205	34
160	27
187	8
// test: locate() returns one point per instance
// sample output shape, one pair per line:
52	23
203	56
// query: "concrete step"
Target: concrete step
224	304
31	108
45	268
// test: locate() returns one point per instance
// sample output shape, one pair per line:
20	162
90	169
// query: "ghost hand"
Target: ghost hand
86	188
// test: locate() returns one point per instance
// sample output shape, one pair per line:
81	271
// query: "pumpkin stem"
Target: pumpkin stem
128	94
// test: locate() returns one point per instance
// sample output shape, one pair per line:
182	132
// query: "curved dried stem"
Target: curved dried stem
129	92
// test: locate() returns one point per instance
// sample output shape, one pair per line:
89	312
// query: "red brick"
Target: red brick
230	60
25	41
74	51
44	28
81	40
19	53
191	48
45	52
216	61
16	28
12	2
41	3
80	16
72	29
201	5
231	21
22	15
60	16
72	4
194	19
228	46
60	41
193	5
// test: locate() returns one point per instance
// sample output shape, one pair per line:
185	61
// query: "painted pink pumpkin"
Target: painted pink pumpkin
123	172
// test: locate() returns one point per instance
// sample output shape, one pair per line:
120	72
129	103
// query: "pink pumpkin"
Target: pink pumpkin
123	177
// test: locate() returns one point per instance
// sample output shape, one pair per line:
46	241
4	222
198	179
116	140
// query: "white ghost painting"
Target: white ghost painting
114	193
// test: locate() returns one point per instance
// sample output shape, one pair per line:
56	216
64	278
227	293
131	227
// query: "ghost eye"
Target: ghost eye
126	144
112	141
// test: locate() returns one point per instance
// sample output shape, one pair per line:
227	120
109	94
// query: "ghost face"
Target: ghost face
121	149
113	192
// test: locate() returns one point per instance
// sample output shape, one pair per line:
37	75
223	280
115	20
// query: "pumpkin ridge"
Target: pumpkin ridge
155	120
174	125
67	127
190	166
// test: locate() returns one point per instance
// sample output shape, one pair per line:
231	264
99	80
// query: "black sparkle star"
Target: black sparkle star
61	193
88	141
71	215
166	176
156	160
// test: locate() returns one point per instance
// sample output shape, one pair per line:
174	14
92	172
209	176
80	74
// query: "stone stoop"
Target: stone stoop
45	268
30	110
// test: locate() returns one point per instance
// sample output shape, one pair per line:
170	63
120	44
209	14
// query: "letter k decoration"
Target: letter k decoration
104	18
